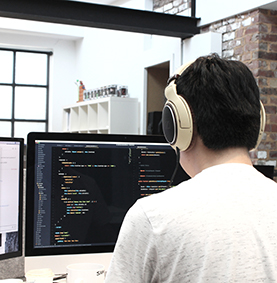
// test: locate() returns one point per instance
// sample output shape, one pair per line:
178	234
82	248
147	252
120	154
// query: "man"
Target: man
221	225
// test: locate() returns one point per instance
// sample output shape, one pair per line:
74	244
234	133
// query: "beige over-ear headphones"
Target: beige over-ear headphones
177	120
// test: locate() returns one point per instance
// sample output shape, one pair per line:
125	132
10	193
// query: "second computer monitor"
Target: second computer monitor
11	196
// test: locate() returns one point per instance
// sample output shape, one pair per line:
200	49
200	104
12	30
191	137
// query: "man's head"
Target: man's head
224	100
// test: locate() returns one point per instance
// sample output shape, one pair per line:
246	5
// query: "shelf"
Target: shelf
74	119
92	116
112	115
103	115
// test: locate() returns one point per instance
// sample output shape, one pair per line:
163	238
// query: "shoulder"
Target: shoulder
160	205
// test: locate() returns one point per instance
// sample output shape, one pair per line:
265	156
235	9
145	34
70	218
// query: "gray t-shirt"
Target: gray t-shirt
220	226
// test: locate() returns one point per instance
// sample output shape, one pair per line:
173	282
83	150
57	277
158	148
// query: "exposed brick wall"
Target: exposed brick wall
172	6
232	34
264	67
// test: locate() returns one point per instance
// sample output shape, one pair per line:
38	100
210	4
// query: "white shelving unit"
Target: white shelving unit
109	115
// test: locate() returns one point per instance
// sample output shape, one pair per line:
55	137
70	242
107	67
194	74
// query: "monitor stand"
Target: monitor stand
12	268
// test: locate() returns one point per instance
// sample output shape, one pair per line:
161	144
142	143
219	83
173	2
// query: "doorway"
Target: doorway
157	77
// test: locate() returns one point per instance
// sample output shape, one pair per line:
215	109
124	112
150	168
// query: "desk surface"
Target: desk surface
59	263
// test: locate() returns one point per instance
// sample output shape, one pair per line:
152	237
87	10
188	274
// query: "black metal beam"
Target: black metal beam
100	16
193	8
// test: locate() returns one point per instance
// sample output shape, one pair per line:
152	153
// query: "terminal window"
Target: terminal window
83	190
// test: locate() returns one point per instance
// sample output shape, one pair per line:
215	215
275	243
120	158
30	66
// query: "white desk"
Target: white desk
59	263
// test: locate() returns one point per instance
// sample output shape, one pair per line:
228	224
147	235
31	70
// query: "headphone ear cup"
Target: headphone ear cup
169	123
177	120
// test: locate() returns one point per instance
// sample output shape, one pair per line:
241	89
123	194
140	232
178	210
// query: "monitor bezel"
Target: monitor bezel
18	253
65	136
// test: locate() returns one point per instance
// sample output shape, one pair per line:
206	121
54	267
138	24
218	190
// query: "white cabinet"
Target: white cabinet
109	115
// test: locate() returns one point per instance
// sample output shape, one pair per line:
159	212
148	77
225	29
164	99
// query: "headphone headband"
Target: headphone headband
262	124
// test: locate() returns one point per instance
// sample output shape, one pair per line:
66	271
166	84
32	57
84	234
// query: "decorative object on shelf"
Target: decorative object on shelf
122	91
106	91
81	89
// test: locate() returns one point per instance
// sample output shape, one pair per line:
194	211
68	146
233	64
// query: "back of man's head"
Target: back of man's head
224	100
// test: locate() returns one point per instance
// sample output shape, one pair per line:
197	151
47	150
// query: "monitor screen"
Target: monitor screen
80	186
11	196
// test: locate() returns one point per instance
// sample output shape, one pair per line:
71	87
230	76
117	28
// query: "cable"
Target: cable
59	277
176	167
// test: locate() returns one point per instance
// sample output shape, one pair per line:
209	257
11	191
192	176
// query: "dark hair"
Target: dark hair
224	99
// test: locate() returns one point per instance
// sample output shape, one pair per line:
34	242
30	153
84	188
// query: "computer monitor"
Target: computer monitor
11	196
267	170
80	186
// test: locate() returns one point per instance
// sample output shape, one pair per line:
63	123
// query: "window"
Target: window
24	92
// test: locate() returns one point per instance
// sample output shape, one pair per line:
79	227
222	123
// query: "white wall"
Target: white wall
63	75
201	45
214	10
108	57
157	49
